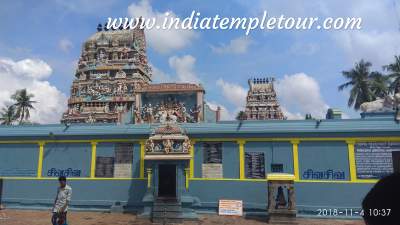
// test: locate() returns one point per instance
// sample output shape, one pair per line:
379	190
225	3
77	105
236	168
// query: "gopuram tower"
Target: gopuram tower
262	103
113	64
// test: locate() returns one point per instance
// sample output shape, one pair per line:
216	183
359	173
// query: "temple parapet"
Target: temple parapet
181	102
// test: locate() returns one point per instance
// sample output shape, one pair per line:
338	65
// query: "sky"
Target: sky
40	43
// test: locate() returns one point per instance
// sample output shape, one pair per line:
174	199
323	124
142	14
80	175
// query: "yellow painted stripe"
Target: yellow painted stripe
298	181
191	179
141	166
149	176
40	160
191	162
241	159
187	174
352	160
295	143
229	179
93	161
358	139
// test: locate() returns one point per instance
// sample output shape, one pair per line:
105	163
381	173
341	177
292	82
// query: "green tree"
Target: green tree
241	116
309	116
394	74
379	84
359	79
23	104
7	115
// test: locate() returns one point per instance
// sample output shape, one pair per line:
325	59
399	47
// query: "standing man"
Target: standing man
60	208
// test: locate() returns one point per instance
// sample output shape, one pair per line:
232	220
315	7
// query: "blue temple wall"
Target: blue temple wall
87	194
18	160
322	156
101	194
274	153
323	149
230	160
64	156
314	196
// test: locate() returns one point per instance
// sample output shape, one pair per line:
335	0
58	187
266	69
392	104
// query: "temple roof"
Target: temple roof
112	35
282	128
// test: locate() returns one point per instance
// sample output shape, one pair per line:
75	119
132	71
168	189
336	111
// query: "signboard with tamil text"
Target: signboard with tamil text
230	207
374	159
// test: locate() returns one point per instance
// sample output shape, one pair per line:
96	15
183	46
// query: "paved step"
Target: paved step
169	215
170	208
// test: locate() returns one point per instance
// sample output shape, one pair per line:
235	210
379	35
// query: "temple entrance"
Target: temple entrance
167	181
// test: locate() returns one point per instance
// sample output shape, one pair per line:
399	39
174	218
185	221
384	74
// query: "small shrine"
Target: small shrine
281	198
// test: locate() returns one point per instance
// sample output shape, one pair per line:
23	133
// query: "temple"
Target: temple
262	103
158	150
112	65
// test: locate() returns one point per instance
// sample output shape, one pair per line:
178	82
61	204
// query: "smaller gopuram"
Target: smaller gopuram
261	102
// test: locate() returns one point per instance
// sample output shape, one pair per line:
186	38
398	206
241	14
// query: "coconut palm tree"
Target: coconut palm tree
8	115
359	81
23	104
241	115
394	74
379	84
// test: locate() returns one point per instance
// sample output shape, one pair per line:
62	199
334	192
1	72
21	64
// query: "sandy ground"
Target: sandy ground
24	217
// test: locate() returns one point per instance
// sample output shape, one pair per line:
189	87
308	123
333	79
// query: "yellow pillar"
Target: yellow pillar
149	173
295	144
191	163
241	158
187	174
141	171
352	160
40	160
93	161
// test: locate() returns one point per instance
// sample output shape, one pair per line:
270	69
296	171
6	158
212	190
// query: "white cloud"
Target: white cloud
28	73
377	41
29	68
300	94
65	45
163	41
239	45
159	76
234	93
184	67
376	47
225	113
300	48
291	116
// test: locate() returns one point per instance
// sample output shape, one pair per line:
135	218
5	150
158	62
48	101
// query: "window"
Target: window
277	168
212	160
255	165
